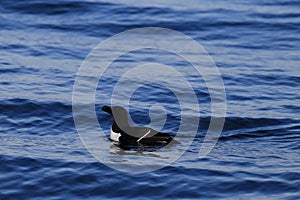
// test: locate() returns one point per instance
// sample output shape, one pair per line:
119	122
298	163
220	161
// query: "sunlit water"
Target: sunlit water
256	48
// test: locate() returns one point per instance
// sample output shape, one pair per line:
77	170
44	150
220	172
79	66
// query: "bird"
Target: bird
126	135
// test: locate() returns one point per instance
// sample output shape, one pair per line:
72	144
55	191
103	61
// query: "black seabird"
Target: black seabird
126	135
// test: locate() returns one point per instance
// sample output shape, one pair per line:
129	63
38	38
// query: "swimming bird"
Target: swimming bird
125	134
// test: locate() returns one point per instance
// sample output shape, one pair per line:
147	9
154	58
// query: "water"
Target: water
256	48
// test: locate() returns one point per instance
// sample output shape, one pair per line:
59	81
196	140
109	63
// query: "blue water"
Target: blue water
255	45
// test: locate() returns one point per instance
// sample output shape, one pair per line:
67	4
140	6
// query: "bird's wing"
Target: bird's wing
140	132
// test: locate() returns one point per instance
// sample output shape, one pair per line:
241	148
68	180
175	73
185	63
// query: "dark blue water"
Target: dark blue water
255	45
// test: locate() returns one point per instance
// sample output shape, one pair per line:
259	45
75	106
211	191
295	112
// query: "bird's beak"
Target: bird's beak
107	109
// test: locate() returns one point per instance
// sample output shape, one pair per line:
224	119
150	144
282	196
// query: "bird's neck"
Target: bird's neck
117	127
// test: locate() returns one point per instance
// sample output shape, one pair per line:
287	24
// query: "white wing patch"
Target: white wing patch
144	136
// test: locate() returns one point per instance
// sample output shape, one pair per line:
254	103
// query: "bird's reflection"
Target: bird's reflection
139	150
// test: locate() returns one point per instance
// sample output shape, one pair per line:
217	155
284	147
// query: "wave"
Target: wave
24	116
51	8
56	178
43	116
140	18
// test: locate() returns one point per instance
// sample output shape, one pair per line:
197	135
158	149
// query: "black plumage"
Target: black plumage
130	135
